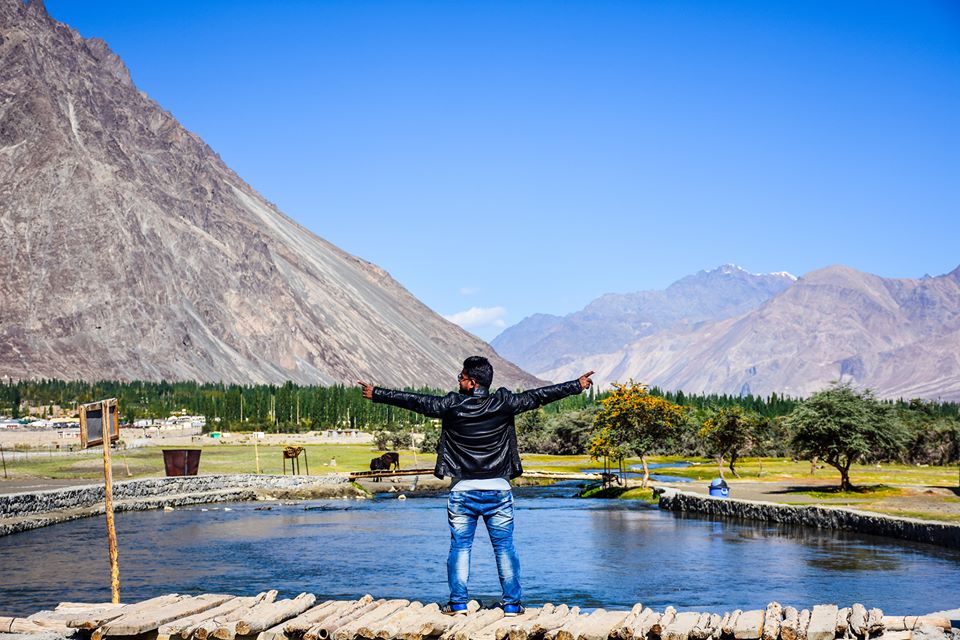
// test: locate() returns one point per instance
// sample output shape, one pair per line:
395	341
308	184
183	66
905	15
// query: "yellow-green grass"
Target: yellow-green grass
864	492
148	461
785	469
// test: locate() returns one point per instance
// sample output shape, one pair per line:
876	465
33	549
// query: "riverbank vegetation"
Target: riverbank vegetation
730	430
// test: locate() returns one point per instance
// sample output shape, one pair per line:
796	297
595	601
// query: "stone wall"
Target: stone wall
30	510
944	534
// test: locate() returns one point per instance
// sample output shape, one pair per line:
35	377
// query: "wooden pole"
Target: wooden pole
108	506
3	458
256	452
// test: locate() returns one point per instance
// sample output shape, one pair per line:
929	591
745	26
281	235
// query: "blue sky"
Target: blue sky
522	157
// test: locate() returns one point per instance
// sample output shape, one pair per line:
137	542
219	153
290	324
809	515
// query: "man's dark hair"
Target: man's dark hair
479	370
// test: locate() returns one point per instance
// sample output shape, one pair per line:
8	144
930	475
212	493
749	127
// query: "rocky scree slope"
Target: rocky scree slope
131	251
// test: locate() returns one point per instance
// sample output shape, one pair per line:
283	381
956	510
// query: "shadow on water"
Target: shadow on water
610	553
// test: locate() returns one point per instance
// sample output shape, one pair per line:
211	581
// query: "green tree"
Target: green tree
841	425
631	420
729	433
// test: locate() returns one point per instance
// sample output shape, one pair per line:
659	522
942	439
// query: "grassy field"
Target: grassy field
148	461
220	458
918	492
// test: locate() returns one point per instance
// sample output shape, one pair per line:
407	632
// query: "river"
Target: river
588	552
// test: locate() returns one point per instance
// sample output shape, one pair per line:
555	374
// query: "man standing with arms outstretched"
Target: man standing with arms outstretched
478	450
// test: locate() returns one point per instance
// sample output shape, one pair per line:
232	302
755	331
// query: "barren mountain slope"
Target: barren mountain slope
130	250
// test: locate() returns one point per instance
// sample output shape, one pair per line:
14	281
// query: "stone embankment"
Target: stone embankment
820	517
30	510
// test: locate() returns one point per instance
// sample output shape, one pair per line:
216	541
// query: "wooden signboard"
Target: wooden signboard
93	418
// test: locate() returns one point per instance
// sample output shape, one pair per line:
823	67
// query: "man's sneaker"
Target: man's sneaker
454	609
512	610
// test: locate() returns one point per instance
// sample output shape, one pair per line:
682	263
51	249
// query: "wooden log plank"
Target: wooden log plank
461	622
858	620
663	621
393	627
568	627
875	621
909	623
525	618
328	627
87	606
546	623
701	630
791	620
803	624
92	622
273	633
367	625
315	615
59	618
715	620
523	629
772	618
262	617
681	626
174	627
644	623
843	621
225	628
897	635
823	622
749	625
571	629
23	625
601	627
483	624
423	624
185	627
132	624
731	622
624	631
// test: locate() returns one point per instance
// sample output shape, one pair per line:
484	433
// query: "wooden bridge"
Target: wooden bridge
263	617
538	475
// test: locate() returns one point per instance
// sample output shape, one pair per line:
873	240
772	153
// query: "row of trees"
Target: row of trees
838	425
287	407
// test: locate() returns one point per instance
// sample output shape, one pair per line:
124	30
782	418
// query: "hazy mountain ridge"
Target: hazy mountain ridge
543	342
900	337
130	250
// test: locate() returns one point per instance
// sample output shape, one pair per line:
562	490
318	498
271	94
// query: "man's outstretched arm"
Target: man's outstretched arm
422	403
529	400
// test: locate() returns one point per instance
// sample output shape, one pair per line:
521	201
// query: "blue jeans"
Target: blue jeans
464	508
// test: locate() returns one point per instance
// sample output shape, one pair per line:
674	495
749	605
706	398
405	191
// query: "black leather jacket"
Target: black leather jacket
478	439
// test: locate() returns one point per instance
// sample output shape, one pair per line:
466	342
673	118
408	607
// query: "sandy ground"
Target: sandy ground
931	502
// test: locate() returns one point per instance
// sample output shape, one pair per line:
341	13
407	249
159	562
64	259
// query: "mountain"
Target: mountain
131	251
544	342
899	337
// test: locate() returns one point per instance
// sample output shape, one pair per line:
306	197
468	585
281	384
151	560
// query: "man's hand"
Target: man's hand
368	389
585	381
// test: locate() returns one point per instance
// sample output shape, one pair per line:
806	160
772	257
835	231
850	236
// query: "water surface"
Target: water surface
588	552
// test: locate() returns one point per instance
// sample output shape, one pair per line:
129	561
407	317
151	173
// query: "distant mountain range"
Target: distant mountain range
729	331
129	250
544	342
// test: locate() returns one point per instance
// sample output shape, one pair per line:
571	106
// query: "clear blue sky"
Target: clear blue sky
523	157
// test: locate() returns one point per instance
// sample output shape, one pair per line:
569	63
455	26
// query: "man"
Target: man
478	449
